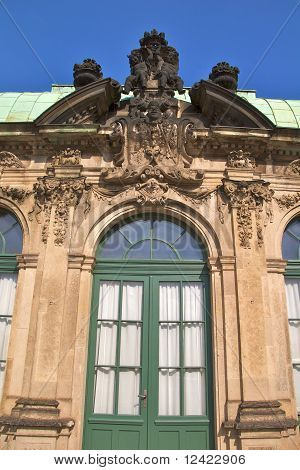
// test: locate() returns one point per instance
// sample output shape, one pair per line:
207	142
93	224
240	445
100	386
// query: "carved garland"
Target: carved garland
62	193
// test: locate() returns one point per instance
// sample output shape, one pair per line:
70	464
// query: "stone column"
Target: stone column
259	416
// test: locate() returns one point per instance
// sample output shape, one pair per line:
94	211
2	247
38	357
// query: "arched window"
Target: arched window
291	252
149	356
152	239
10	246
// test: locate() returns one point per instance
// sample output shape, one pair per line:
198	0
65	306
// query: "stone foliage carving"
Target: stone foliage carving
9	160
293	168
240	159
246	197
60	193
67	157
287	201
16	194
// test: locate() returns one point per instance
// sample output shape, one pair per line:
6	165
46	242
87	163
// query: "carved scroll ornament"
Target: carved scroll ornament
246	197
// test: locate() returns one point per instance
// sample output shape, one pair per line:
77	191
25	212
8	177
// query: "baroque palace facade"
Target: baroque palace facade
150	262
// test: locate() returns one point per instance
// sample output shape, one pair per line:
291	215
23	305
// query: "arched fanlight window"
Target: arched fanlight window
291	252
10	246
150	238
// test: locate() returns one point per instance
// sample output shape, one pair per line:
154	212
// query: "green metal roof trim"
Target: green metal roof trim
26	107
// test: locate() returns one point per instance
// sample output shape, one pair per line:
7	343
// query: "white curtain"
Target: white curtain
8	282
169	378
106	347
130	347
193	349
293	303
130	350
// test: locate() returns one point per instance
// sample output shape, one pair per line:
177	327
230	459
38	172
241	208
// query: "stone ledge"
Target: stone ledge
15	422
260	416
33	413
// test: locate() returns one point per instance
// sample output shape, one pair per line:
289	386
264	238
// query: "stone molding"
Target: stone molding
82	262
276	265
261	416
35	414
28	260
227	263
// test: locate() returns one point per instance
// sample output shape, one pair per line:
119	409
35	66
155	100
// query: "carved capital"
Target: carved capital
247	197
60	193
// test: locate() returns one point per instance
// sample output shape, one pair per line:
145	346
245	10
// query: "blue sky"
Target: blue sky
42	39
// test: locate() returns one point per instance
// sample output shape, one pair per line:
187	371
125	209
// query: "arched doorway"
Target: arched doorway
149	367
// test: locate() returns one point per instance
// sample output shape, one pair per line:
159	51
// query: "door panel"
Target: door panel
180	412
148	364
118	359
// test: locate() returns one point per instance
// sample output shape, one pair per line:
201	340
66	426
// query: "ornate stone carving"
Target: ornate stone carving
287	201
62	193
67	157
16	194
240	159
152	192
225	75
87	72
248	196
293	168
9	160
155	60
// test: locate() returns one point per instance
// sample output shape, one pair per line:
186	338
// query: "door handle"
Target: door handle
143	397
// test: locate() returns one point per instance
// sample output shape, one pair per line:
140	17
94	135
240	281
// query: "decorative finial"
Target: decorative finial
225	75
87	72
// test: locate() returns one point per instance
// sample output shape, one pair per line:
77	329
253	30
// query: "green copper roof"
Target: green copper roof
23	107
283	113
26	107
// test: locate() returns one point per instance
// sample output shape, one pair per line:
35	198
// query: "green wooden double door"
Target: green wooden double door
149	369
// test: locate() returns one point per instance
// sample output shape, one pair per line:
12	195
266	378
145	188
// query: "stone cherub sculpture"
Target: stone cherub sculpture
167	75
139	72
